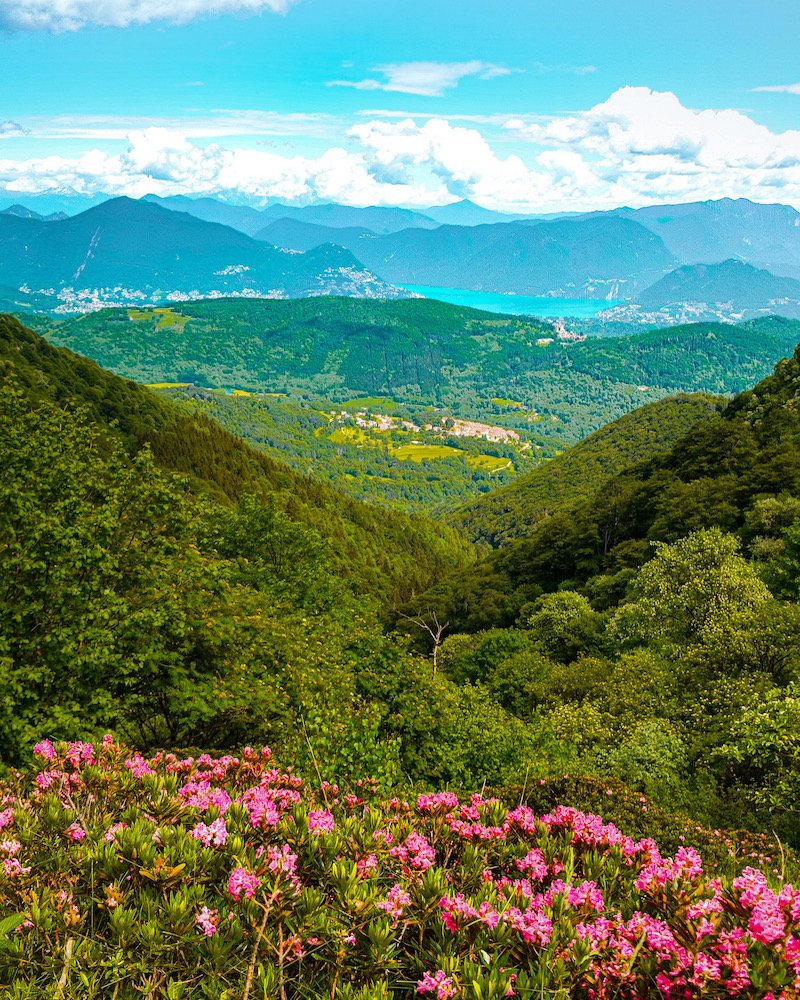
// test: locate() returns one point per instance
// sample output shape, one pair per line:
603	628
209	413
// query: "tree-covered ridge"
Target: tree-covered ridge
427	352
131	601
386	554
717	475
579	472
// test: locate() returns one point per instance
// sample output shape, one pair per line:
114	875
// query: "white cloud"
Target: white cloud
8	129
425	79
780	88
72	15
638	147
566	68
642	146
161	161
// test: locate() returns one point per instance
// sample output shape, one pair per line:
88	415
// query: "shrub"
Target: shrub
231	878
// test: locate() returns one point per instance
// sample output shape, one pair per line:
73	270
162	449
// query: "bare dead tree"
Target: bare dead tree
429	621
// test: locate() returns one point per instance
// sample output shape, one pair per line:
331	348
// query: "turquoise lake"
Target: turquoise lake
514	305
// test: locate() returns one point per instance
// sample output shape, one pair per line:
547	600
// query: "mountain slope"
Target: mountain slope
423	351
247	220
717	475
381	552
141	246
712	231
377	218
466	213
602	258
294	234
21	212
511	511
733	281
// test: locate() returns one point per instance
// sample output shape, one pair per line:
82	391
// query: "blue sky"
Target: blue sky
519	104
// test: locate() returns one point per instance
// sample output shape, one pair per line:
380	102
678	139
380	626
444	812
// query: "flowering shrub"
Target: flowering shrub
230	878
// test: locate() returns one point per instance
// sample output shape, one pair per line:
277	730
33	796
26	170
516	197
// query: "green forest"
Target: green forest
274	371
234	593
615	631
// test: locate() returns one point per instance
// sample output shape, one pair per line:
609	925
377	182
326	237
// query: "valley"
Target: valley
399	500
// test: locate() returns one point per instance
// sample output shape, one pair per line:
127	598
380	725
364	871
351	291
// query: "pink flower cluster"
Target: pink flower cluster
416	852
439	983
243	883
207	921
320	821
212	835
395	902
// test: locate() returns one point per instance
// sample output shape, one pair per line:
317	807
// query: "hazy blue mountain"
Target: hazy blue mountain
65	200
293	234
376	218
140	245
467	213
22	212
746	288
709	232
600	258
242	217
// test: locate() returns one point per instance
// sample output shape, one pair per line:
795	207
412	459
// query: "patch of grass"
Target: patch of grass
506	402
367	402
489	462
419	452
350	435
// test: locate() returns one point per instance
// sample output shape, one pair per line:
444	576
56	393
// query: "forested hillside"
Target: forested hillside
200	595
380	553
580	472
479	365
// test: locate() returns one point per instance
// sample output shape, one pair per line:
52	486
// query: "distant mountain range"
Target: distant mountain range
21	212
709	232
599	258
152	253
251	220
695	292
667	263
294	234
732	281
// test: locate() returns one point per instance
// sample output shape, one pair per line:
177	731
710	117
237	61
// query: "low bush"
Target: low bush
229	877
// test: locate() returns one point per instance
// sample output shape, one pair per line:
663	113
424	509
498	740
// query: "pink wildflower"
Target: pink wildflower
213	835
439	983
207	921
45	749
395	902
110	836
13	868
243	883
320	821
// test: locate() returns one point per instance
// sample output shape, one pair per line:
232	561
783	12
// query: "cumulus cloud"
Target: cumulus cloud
162	161
72	15
644	146
638	147
425	79
778	88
